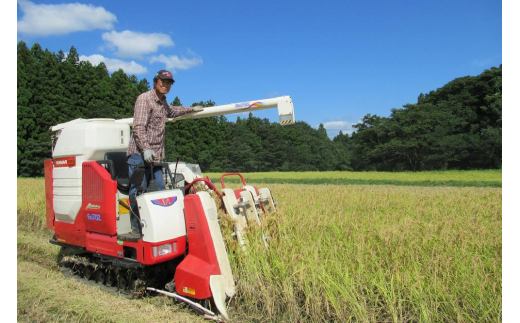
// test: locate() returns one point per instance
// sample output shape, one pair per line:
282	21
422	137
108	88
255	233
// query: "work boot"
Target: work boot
135	233
132	236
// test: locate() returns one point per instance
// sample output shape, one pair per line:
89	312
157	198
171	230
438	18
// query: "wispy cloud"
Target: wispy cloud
130	44
334	127
175	63
62	19
115	64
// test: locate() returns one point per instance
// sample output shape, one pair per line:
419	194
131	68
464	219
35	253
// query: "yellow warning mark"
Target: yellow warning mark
122	209
188	290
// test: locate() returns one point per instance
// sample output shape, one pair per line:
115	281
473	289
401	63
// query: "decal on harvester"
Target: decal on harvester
247	105
242	105
286	121
168	201
92	206
94	217
256	105
65	162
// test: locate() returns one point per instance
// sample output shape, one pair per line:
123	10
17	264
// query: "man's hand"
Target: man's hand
198	108
149	155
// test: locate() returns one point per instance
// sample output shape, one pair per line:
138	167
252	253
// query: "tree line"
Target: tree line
458	126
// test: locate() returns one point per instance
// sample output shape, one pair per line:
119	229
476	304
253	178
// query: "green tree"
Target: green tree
458	126
342	146
369	134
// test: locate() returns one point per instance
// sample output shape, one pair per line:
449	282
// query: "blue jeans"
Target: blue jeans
134	160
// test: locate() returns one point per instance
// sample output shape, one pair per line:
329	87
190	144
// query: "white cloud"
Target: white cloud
175	63
62	19
115	64
334	127
135	44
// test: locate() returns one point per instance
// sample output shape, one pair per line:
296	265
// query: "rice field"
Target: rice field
337	253
481	178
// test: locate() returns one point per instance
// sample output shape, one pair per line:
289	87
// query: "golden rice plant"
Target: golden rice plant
377	254
31	204
355	253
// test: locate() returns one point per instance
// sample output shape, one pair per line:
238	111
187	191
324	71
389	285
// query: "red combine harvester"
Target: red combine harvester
181	252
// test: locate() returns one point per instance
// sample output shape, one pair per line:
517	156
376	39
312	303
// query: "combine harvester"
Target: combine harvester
181	249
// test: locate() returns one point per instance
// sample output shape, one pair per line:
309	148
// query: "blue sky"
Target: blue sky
338	60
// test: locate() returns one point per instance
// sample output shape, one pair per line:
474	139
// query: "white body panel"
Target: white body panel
162	222
90	139
217	284
123	223
67	199
86	140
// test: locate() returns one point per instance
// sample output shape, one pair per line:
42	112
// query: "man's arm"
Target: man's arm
141	115
177	111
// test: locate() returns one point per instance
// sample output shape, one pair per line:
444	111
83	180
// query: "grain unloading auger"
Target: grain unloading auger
181	248
283	103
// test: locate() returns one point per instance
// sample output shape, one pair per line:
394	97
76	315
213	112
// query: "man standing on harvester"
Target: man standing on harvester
148	136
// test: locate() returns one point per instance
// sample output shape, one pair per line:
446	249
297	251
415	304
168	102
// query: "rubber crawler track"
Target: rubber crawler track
127	282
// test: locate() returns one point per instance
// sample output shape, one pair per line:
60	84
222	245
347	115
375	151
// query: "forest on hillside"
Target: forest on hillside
458	126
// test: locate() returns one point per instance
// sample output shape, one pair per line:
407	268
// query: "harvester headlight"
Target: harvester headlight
162	250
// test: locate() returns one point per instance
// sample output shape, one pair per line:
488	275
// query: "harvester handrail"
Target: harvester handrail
205	180
228	174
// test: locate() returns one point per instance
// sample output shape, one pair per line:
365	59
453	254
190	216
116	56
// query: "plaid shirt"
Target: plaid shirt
150	122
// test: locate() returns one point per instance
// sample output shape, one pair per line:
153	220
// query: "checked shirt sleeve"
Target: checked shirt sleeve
177	111
141	115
